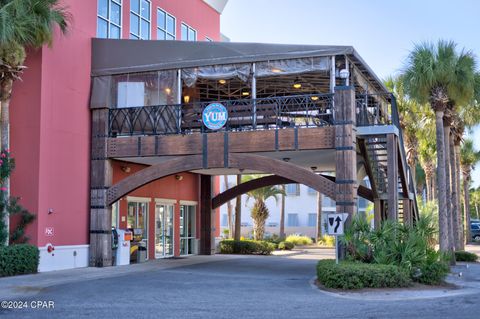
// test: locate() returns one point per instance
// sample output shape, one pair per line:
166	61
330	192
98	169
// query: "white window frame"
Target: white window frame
139	16
174	24
188	28
109	22
297	190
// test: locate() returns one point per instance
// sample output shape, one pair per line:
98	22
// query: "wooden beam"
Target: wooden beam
207	240
271	180
392	175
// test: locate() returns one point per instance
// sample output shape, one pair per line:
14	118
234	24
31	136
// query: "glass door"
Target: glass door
163	231
187	230
137	219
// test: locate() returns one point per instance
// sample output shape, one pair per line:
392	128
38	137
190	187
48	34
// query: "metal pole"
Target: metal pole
332	75
347	66
336	249
179	99
254	95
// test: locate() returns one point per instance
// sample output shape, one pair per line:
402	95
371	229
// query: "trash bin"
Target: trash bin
141	253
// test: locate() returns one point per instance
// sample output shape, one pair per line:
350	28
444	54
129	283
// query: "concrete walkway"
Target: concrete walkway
224	286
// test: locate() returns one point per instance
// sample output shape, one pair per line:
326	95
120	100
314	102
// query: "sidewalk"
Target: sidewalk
27	285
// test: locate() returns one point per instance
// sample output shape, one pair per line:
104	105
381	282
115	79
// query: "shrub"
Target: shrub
18	259
357	275
246	247
465	256
286	245
299	240
326	241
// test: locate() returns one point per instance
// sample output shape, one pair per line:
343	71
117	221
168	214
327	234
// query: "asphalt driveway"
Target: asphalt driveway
219	287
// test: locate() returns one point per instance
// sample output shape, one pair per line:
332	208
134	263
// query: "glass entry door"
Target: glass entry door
187	230
163	230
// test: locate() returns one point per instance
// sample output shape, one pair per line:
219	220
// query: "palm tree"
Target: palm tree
437	74
409	113
238	212
282	214
229	209
260	211
468	158
24	24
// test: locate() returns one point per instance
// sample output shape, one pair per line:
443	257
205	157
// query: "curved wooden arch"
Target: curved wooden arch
271	180
239	161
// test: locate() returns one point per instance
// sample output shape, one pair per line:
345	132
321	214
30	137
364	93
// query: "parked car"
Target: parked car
475	231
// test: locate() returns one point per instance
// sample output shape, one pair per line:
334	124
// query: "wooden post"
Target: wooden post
207	240
100	180
346	153
407	211
392	160
377	213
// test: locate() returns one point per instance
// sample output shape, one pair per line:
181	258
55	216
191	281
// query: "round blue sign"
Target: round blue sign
215	116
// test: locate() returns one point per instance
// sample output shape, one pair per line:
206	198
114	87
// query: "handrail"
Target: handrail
308	110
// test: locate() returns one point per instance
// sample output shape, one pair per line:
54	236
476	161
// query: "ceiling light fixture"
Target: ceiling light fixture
297	84
314	98
222	81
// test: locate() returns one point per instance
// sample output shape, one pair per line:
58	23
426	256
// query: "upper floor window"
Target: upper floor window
188	33
292	189
312	220
312	191
140	19
292	220
109	19
165	25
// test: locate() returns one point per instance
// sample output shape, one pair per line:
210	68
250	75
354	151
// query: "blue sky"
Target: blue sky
382	31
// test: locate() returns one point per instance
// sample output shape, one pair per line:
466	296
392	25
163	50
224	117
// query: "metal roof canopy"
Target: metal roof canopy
113	56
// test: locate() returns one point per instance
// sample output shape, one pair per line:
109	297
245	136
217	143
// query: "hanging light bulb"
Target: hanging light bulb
297	84
186	98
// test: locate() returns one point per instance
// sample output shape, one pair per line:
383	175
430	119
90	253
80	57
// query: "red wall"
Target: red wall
50	121
195	13
165	188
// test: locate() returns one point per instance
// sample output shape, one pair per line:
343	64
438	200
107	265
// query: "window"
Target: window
362	203
292	220
224	220
188	33
187	229
328	202
292	189
272	224
140	19
312	220
109	21
166	25
115	215
311	191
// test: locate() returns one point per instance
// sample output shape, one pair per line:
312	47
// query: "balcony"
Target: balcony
309	110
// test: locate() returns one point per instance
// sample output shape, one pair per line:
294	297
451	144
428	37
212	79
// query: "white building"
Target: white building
300	210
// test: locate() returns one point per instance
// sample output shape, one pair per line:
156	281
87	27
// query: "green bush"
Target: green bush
357	275
326	241
246	247
286	245
299	240
409	247
465	256
18	259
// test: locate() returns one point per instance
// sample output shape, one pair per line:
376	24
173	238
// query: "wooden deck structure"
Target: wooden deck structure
349	130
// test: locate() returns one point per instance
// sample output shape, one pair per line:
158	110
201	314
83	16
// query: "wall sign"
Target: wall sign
215	116
49	231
